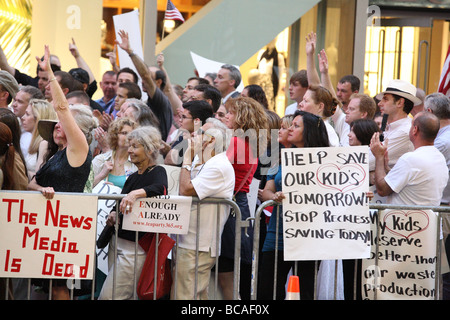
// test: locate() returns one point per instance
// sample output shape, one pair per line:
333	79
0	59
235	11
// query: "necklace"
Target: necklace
150	168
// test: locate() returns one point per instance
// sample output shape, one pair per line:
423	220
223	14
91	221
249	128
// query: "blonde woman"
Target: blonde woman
37	109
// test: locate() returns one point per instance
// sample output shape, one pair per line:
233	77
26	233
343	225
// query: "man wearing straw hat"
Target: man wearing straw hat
397	101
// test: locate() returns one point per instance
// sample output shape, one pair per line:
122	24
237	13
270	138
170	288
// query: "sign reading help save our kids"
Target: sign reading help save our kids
326	209
161	214
406	256
42	238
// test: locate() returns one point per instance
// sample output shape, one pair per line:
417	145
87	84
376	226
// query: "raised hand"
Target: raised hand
311	43
125	44
45	63
323	62
73	49
377	147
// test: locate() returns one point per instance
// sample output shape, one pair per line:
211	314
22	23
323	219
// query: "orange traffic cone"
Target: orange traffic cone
293	291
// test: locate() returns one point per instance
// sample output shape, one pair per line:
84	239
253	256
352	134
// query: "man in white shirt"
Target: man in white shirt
439	105
397	102
206	172
298	84
419	177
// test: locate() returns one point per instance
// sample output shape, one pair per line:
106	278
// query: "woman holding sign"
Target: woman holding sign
149	180
307	131
69	168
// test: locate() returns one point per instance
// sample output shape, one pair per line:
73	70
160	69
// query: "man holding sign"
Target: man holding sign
419	177
206	172
406	239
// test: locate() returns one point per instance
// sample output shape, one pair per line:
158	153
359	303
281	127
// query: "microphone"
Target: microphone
383	126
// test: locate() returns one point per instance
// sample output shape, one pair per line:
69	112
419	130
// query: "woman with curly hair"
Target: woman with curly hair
319	100
248	120
114	165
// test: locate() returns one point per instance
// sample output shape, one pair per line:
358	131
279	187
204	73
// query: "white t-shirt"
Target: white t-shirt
342	129
397	138
418	178
332	135
290	109
213	179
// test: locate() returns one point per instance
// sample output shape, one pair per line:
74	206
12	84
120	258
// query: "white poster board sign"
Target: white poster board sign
326	209
162	214
103	209
129	22
407	258
42	238
173	179
204	66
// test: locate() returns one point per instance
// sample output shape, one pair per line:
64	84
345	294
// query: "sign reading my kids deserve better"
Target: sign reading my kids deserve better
326	209
42	238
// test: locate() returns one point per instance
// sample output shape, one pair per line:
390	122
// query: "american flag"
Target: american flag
172	12
444	83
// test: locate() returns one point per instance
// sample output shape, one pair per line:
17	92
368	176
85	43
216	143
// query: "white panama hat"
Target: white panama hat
403	89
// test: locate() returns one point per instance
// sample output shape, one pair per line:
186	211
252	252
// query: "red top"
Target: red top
241	157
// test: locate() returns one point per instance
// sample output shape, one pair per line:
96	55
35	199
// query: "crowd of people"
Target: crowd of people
55	138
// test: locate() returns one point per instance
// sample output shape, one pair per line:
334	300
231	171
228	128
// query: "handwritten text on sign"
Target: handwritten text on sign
406	256
42	238
326	210
162	214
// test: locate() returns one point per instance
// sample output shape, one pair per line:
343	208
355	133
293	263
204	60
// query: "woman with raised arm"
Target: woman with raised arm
68	169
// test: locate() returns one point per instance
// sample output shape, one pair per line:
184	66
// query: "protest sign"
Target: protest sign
162	214
406	266
104	207
42	238
326	209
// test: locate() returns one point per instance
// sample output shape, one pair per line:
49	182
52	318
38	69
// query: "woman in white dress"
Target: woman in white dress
37	109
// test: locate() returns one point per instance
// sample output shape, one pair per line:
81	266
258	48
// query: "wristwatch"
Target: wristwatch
188	168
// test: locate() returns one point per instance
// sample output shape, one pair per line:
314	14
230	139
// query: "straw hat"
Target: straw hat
403	89
45	128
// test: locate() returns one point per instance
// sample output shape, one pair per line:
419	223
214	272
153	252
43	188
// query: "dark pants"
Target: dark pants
306	272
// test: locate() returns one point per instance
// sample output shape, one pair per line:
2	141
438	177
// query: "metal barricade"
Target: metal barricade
219	202
440	210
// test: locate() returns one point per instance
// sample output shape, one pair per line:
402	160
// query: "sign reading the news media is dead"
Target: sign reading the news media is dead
326	209
161	214
406	267
42	238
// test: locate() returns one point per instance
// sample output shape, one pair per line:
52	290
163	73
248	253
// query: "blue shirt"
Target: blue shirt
269	242
107	107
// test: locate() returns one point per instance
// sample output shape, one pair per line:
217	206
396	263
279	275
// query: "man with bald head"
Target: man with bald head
419	177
